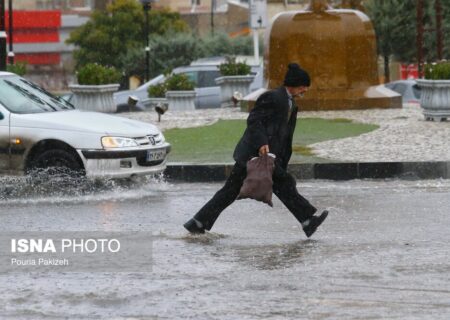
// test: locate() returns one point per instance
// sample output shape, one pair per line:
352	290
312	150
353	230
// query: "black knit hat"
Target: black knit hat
296	76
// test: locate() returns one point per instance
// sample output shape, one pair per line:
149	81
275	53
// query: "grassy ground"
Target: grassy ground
215	143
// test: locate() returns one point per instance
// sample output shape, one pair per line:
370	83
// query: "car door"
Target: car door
4	140
417	91
208	92
402	89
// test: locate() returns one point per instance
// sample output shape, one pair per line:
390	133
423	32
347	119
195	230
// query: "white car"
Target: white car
203	73
39	131
409	90
121	97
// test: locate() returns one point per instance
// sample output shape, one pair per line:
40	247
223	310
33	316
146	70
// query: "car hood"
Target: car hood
88	122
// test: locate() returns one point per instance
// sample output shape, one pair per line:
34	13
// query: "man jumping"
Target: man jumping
270	128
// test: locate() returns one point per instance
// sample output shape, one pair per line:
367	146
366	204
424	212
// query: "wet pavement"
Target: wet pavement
382	253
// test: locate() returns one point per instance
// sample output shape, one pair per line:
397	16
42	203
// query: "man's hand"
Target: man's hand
264	150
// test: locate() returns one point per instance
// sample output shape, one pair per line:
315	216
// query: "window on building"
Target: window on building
195	2
296	2
63	4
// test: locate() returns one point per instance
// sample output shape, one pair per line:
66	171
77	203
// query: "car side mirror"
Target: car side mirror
2	116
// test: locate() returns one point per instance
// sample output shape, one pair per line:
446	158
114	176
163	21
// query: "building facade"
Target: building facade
41	28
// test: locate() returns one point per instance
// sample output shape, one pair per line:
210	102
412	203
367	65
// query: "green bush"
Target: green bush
19	68
233	68
176	82
96	74
179	82
157	91
437	71
173	50
165	51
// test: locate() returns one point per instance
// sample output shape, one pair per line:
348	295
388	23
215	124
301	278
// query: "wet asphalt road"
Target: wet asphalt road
383	253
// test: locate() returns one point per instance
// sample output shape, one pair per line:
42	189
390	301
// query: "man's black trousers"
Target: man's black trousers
284	187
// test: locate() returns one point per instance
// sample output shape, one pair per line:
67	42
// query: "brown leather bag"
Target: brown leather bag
258	183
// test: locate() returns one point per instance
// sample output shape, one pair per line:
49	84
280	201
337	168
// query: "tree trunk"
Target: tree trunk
387	73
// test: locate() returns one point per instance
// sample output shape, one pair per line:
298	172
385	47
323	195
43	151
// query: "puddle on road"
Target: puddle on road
23	190
378	256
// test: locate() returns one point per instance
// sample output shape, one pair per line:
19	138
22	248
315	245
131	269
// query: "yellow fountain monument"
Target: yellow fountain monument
338	49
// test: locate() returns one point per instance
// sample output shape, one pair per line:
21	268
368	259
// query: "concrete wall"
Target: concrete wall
23	4
185	6
51	4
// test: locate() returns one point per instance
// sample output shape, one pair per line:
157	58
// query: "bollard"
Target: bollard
132	102
161	108
237	97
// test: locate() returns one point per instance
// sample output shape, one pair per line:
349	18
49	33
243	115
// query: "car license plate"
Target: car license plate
155	155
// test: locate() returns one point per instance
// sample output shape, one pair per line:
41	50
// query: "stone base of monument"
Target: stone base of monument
373	97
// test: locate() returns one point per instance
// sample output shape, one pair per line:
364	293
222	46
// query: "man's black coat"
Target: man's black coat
268	123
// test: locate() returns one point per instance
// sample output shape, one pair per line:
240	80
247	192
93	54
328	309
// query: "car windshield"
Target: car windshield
19	95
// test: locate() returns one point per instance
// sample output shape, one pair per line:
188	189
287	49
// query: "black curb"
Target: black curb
327	171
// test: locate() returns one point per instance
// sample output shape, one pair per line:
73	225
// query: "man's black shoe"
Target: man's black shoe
310	226
194	226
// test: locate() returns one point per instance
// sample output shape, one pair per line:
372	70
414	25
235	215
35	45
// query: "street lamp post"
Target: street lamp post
147	6
10	38
420	32
213	8
2	36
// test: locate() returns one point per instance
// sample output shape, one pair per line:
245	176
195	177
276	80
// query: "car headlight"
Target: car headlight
118	142
160	137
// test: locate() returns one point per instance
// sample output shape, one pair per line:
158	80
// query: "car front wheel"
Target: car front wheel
57	162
